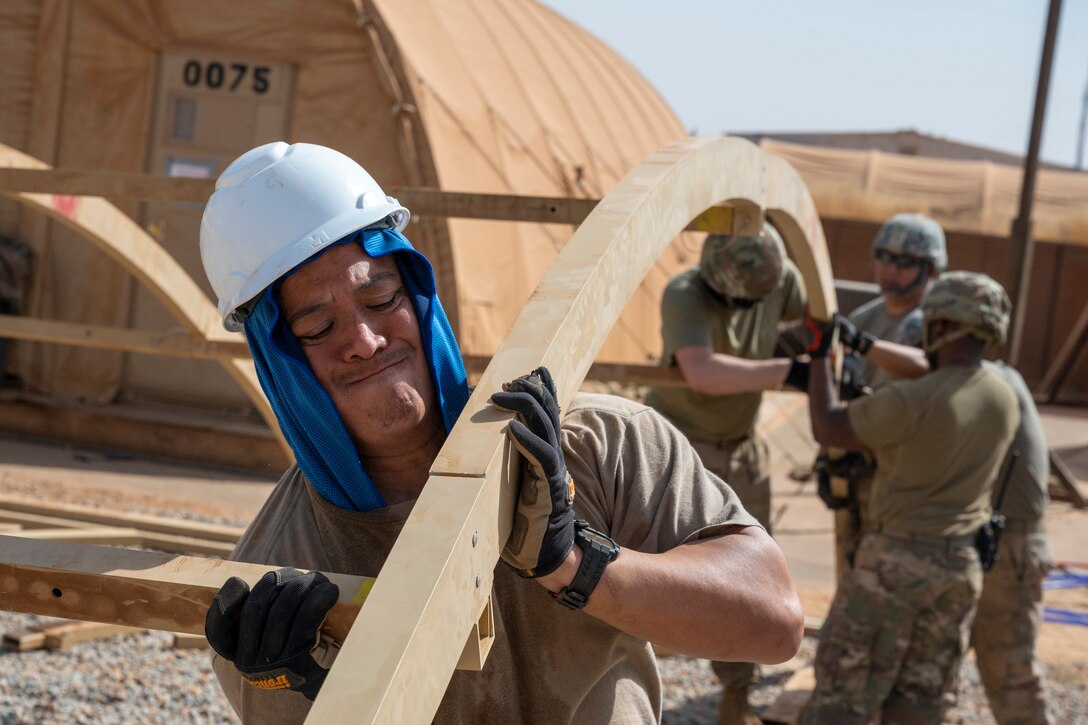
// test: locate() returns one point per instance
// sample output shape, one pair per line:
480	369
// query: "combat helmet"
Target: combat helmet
975	301
743	268
913	235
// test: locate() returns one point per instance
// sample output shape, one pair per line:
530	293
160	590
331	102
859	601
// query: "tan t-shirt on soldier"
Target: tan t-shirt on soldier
940	441
691	314
636	478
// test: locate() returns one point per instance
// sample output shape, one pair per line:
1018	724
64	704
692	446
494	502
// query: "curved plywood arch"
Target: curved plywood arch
396	661
114	233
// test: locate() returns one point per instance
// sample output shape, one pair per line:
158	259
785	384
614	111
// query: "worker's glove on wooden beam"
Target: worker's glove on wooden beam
543	532
273	634
851	337
797	375
818	337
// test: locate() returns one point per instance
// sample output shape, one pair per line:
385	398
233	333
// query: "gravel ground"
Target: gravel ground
141	678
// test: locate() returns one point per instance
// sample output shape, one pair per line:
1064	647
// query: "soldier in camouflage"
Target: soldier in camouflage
901	619
719	327
1010	609
908	254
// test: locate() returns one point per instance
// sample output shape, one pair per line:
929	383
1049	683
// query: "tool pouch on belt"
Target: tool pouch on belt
835	476
986	540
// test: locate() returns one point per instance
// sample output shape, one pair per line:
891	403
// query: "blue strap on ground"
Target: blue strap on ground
1065	616
1065	580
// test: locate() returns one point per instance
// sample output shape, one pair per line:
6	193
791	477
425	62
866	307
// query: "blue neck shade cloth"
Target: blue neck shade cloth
309	421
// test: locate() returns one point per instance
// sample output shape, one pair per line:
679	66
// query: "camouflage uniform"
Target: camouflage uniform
1010	609
900	621
908	235
731	303
896	631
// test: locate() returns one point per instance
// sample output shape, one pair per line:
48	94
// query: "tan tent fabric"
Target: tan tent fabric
968	196
517	99
477	95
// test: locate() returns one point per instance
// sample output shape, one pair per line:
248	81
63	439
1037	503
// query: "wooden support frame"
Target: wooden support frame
438	575
433	592
423	202
115	234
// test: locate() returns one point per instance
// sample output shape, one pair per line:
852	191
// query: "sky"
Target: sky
965	70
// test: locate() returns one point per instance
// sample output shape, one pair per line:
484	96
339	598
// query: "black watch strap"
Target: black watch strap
597	551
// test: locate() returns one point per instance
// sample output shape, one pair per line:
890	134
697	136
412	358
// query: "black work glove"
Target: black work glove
850	385
818	337
543	532
797	375
851	337
270	634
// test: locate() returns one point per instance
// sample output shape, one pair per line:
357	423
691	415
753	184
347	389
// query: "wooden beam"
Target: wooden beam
63	636
135	588
1067	480
790	704
423	202
431	590
82	516
177	342
615	372
1061	367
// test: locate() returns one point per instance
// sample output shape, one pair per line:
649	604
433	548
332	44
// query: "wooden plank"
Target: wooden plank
150	524
605	371
185	544
129	537
423	202
177	343
1067	480
63	636
396	662
103	535
1061	367
135	588
787	709
180	344
37	521
190	641
23	640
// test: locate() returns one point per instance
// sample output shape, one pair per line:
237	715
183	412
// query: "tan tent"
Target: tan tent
499	96
979	197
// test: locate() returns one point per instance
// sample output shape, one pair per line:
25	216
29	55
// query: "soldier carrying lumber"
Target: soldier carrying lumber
353	349
719	324
900	620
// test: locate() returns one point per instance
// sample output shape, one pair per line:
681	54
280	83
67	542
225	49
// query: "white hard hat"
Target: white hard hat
275	207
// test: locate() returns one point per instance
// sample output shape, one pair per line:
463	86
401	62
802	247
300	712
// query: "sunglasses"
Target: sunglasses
900	261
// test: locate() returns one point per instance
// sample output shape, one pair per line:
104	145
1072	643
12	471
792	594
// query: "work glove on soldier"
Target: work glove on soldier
818	337
543	532
797	375
272	633
851	337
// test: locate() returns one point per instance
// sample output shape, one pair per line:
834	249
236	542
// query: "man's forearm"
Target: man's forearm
724	598
902	361
729	375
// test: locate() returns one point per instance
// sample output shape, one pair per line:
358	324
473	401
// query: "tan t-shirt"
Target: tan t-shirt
636	478
1026	493
940	440
692	315
905	329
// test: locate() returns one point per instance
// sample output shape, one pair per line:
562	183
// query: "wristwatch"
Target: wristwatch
597	550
